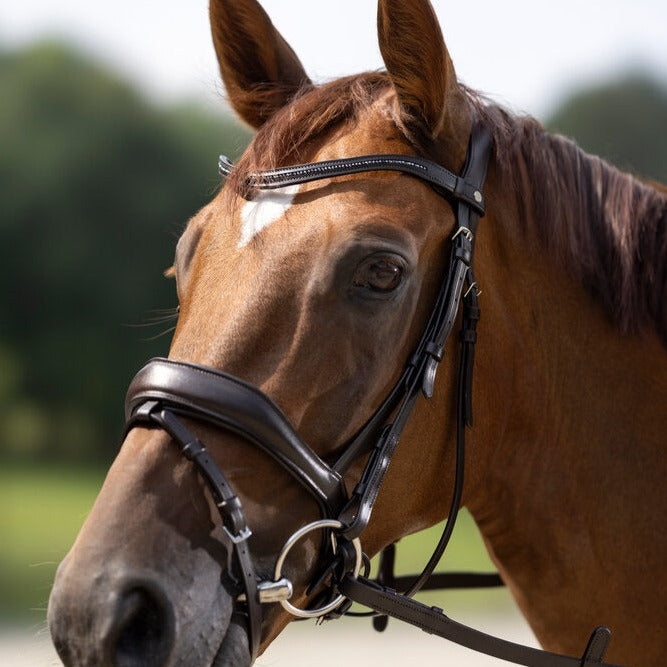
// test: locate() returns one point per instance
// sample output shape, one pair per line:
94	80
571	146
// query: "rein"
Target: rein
164	391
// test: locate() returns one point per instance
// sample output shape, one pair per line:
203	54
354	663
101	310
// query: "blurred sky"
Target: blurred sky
527	54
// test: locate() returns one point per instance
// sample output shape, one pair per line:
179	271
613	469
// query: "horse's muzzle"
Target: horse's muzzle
124	620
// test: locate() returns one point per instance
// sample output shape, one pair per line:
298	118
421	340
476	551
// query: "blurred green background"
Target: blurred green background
96	184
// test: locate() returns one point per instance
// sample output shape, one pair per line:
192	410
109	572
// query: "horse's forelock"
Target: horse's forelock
285	138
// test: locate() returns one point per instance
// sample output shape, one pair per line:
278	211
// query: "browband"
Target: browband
443	179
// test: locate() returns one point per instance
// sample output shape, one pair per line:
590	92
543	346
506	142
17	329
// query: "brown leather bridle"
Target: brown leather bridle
164	391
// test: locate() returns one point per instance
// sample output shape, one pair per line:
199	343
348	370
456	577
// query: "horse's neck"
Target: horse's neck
566	449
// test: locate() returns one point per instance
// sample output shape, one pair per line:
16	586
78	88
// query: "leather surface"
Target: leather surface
443	179
241	408
434	621
231	513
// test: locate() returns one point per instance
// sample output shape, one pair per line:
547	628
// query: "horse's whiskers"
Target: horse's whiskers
159	316
162	333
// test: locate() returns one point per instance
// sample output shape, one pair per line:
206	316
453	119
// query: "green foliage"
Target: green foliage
96	185
623	121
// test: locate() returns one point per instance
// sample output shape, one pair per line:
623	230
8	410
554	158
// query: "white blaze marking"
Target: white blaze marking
264	210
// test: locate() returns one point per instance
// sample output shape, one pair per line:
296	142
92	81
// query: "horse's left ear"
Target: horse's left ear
422	72
260	70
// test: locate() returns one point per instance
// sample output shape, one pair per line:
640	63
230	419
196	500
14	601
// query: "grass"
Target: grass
42	509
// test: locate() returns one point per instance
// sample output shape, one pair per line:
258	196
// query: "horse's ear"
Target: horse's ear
421	70
259	68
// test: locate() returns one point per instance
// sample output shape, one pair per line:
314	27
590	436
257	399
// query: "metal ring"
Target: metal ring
316	525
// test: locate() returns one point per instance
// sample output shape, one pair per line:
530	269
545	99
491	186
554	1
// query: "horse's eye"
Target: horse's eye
379	273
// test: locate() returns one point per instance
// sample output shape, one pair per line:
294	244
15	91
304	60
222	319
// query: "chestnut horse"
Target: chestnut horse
317	295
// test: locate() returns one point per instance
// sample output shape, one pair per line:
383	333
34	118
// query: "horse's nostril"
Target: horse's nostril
143	629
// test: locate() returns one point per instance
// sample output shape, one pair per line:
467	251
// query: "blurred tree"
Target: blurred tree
623	121
96	185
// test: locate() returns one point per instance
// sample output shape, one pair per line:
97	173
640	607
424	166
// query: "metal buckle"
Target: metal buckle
465	231
241	537
473	286
225	165
315	525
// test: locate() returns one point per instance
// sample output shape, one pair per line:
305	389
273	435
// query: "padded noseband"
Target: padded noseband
237	406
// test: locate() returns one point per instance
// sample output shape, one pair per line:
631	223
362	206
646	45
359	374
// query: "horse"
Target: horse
313	296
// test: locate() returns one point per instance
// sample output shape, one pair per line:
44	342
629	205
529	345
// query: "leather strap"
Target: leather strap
434	621
451	581
436	581
597	645
228	504
443	179
421	370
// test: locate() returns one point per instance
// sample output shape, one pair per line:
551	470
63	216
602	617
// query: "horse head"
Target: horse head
310	300
316	294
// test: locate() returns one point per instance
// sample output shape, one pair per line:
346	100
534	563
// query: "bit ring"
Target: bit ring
315	525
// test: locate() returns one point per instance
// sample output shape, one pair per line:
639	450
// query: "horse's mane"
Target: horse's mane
312	112
607	227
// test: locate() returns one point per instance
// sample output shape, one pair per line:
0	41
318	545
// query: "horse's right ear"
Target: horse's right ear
259	68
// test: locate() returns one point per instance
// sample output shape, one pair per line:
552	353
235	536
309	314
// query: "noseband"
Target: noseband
164	391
